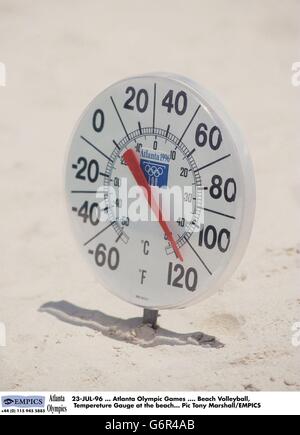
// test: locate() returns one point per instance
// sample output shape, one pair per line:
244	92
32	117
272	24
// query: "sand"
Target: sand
64	331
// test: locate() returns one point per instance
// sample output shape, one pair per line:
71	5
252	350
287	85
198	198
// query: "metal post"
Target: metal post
150	317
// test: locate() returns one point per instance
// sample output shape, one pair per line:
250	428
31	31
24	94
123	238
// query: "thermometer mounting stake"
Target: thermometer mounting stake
150	317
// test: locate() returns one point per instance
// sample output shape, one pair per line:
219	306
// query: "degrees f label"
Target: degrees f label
155	165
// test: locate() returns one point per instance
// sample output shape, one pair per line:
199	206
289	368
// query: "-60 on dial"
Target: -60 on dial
160	190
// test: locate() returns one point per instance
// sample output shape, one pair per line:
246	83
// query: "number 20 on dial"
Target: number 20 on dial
160	190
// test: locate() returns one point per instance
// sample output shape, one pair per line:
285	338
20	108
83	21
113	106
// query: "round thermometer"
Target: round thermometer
160	190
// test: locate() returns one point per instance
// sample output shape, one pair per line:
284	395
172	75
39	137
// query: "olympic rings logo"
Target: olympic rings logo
154	171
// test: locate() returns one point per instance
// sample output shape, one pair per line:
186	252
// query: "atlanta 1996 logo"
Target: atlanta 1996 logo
155	165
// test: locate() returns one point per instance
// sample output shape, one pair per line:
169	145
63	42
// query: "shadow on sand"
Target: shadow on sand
128	330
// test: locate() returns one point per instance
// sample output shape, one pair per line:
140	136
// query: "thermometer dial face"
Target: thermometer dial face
160	191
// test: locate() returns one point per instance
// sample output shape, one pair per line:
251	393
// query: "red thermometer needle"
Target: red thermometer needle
131	159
